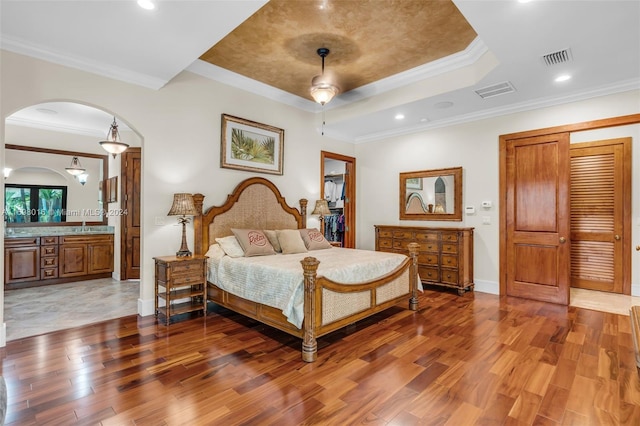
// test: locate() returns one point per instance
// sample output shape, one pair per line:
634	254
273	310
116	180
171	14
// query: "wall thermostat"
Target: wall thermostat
486	204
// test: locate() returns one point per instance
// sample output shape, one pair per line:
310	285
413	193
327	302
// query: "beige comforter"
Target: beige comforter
277	280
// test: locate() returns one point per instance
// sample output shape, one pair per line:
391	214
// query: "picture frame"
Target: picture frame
251	146
414	183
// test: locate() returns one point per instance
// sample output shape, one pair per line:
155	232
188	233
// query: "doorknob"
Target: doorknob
562	240
616	237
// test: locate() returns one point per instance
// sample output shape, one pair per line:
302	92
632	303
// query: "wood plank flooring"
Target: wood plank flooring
472	360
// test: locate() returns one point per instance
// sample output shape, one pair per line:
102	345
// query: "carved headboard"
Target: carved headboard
255	203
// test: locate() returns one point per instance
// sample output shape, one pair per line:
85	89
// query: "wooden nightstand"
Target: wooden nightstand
182	283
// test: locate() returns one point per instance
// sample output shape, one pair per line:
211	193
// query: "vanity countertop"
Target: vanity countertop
48	231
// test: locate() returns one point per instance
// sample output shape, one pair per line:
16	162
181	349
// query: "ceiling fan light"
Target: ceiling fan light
113	145
322	91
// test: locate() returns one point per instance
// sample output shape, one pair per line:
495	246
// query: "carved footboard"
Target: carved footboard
324	311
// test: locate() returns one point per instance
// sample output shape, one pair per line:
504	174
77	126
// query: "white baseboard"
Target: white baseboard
490	287
146	307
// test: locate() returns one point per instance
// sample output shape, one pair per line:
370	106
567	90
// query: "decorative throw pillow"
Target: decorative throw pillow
254	242
291	241
314	240
273	239
231	246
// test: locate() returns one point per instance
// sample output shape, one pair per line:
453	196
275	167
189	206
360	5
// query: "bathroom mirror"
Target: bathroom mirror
43	170
431	194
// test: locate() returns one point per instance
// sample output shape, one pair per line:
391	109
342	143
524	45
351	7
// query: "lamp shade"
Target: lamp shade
75	168
322	91
321	208
182	205
113	145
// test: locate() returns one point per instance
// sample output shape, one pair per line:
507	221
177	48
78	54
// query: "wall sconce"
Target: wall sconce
75	168
322	209
7	172
82	178
183	206
113	145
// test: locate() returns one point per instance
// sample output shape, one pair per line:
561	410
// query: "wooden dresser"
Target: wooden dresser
445	257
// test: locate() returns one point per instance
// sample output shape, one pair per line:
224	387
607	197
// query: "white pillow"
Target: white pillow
215	252
231	246
291	241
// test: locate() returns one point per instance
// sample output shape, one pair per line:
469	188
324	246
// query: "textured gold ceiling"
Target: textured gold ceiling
368	39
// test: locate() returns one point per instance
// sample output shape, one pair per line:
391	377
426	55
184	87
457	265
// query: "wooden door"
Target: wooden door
537	247
349	209
600	231
131	172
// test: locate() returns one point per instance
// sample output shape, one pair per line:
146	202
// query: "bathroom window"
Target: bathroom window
35	203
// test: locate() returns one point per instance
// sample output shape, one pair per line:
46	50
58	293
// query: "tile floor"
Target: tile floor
38	310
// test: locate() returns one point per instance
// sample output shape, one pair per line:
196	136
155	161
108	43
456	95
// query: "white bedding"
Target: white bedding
246	276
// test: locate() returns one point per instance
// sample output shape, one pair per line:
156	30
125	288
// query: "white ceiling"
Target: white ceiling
119	40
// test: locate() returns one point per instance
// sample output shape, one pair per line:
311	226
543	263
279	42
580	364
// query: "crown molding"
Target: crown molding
22	47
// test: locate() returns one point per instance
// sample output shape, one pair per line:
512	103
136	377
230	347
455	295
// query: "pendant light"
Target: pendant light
322	90
75	168
113	145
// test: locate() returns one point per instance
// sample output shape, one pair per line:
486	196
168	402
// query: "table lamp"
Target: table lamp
183	206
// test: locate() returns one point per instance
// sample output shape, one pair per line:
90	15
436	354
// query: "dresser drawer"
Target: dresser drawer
48	273
47	262
403	235
46	241
385	243
49	251
430	246
384	233
184	280
428	259
449	277
449	236
428	274
427	237
449	247
187	268
450	261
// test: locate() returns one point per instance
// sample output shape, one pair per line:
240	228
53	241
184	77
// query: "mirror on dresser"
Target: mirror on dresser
431	194
62	199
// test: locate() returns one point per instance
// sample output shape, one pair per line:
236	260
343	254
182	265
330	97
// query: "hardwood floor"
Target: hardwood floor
471	360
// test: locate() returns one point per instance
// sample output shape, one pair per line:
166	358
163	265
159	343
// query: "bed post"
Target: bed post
413	275
303	211
198	200
309	344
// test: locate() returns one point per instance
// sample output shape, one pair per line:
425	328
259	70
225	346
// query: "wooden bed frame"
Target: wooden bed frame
257	203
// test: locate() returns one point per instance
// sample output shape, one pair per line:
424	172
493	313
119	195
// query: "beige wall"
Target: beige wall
180	130
474	146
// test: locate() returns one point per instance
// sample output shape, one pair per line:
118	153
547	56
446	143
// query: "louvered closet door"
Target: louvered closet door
597	217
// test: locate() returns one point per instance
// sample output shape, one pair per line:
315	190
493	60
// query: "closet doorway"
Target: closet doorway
339	189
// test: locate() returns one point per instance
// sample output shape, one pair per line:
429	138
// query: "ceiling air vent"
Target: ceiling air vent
559	57
495	90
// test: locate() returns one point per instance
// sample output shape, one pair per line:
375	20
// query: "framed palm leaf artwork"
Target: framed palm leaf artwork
250	146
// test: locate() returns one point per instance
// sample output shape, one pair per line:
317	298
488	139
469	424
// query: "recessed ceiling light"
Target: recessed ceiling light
146	4
47	111
399	116
563	77
443	105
